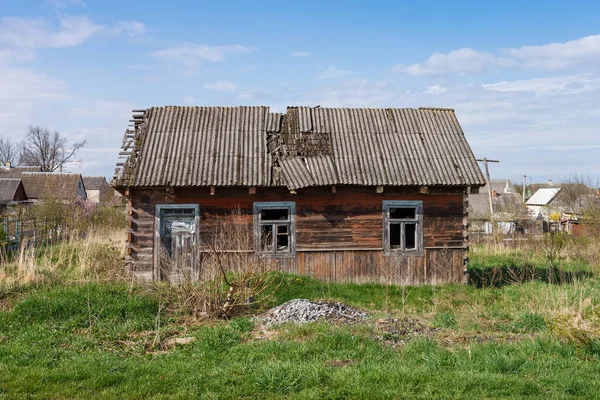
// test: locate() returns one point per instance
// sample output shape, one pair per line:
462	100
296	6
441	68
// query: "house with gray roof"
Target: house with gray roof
340	194
507	205
12	192
61	186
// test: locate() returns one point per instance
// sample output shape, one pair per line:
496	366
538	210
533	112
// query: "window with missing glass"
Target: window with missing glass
274	229
402	227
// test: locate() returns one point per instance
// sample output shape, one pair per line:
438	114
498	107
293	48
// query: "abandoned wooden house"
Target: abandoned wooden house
338	194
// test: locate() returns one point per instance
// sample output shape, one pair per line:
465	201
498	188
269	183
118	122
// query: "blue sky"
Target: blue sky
523	77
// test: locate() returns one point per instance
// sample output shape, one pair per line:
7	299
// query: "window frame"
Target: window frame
418	221
290	222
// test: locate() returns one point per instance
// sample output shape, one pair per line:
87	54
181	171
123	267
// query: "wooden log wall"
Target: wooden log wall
338	235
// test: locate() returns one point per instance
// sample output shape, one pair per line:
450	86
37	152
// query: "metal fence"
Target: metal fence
15	232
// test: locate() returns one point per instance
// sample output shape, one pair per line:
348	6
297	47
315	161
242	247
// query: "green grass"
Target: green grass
502	338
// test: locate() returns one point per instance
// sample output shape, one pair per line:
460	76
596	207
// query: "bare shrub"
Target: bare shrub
226	277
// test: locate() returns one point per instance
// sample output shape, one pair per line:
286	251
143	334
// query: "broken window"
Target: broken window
402	230
274	228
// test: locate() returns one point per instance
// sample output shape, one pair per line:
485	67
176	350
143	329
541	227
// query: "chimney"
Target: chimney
549	182
506	188
494	194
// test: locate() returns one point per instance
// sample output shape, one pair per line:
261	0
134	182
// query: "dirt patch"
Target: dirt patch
398	331
449	338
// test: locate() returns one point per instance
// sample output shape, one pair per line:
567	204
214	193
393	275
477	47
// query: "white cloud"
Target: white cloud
435	90
333	72
130	28
222	86
301	54
572	84
189	53
20	37
27	33
558	55
552	56
458	61
25	96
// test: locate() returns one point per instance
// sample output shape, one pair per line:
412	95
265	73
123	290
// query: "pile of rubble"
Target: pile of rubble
302	311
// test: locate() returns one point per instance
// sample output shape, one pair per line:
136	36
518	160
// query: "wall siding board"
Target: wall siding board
338	236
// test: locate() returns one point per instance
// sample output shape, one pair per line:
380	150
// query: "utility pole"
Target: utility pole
524	186
485	162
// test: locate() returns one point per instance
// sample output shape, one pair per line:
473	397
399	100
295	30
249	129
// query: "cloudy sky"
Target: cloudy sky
523	77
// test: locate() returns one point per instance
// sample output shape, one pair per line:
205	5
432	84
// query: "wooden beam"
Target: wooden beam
212	190
252	190
333	189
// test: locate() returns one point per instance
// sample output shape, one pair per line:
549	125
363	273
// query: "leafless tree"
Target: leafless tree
8	151
576	193
46	149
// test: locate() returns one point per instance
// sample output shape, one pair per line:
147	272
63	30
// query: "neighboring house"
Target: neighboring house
11	192
61	186
539	204
507	205
97	189
16	172
329	192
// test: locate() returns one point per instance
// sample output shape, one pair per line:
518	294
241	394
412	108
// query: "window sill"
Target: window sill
271	256
398	253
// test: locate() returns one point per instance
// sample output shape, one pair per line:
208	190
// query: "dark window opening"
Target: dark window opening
402	213
274	214
410	236
395	236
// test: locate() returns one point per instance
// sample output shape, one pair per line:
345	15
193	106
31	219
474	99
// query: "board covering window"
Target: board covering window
403	227
274	229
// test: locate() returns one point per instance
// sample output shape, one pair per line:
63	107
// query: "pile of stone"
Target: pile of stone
302	311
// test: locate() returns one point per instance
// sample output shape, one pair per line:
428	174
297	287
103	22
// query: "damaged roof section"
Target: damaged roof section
251	146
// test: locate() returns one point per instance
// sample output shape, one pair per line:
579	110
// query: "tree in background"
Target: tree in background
48	150
9	151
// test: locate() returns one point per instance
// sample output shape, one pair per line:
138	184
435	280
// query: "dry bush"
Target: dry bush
223	276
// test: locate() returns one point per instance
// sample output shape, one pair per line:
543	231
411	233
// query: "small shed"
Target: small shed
333	193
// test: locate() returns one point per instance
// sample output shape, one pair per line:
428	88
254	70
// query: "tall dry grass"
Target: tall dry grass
96	257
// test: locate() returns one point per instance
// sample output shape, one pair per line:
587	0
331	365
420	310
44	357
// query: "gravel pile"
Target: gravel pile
302	311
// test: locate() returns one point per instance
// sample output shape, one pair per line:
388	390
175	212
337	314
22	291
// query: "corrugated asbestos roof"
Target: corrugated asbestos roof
15	172
248	146
504	201
94	182
45	184
8	189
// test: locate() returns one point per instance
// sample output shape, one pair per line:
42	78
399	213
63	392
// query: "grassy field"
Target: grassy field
70	333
